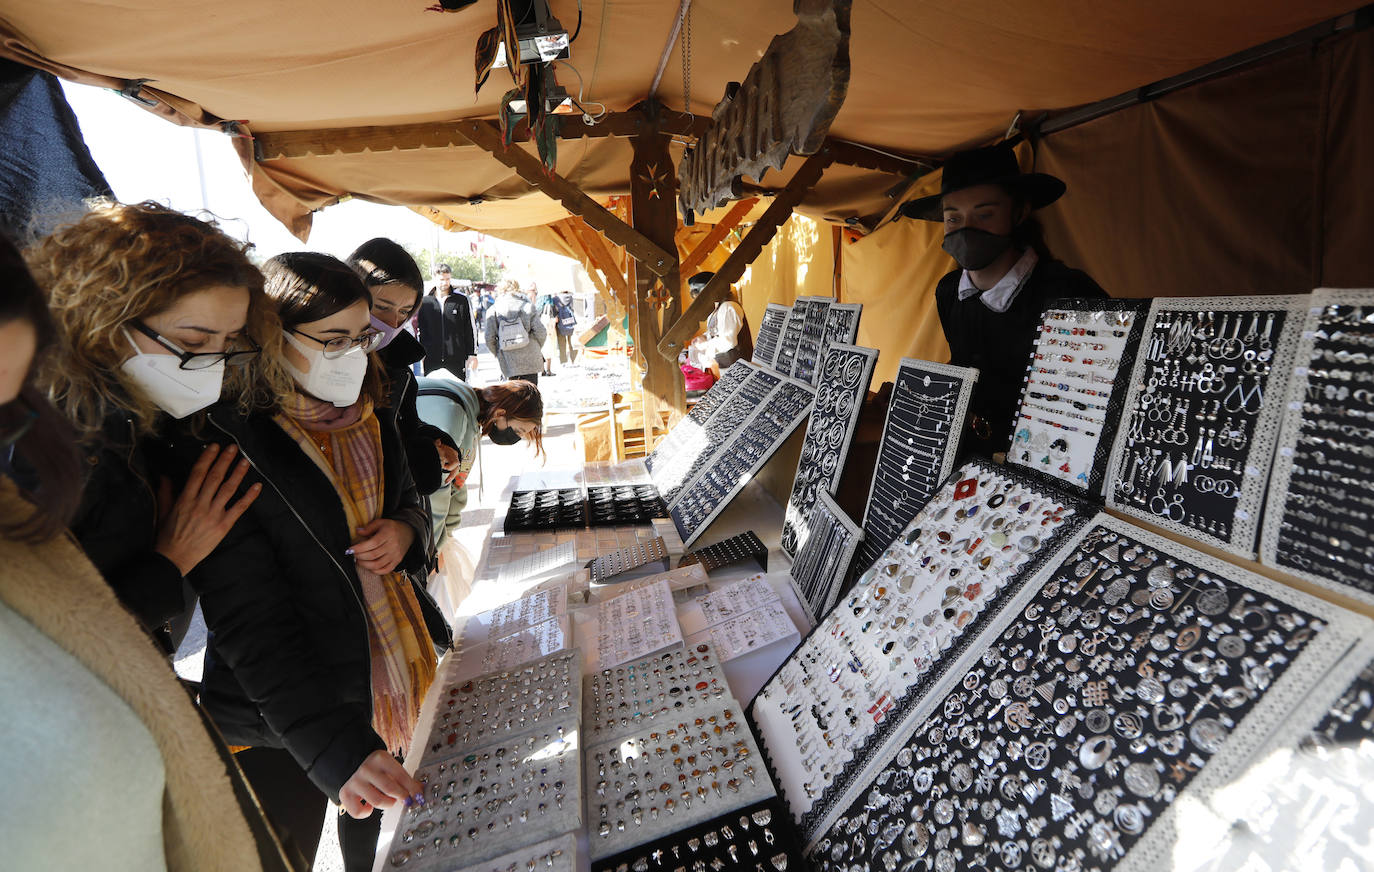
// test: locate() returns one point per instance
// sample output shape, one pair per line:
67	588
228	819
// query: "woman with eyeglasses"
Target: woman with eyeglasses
160	315
106	763
323	638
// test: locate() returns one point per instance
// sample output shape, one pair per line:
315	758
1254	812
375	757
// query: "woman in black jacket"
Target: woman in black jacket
322	643
159	315
394	281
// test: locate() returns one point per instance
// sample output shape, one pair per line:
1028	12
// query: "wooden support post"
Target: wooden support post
677	336
713	238
650	255
653	211
601	258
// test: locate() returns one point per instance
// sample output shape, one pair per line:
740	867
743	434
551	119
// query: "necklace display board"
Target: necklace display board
770	333
748	444
1321	499
696	417
1194	447
745	546
1111	695
642	789
1071	403
866	664
920	444
822	564
703	443
841	326
1306	808
844	379
754	837
786	356
808	357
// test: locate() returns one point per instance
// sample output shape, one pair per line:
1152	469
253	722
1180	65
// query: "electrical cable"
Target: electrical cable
586	115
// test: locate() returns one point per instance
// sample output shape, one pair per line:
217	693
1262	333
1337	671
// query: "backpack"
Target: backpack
511	335
566	319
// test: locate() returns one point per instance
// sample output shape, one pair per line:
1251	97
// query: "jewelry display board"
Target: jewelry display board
751	442
641	789
1306	809
621	700
545	562
812	338
754	837
841	326
696	417
822	564
495	798
918	450
1113	692
636	624
1194	447
770	333
606	567
844	380
786	356
835	700
704	443
1321	499
717	555
1071	402
545	510
556	855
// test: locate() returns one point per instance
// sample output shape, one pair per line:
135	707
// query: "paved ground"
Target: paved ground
496	464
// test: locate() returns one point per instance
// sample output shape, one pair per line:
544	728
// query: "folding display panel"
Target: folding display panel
701	411
786	355
1111	696
770	333
822	564
1072	399
831	704
844	380
1321	499
1194	447
841	326
812	337
920	444
746	445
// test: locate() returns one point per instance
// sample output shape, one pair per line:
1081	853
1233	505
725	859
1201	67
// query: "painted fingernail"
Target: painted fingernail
409	802
348	551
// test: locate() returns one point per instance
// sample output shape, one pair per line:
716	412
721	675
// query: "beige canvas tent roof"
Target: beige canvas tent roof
927	78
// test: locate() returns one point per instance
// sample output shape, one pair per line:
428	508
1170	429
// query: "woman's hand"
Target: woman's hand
384	543
378	783
449	459
190	527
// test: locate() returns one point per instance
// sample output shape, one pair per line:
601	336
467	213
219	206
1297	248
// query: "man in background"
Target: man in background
446	326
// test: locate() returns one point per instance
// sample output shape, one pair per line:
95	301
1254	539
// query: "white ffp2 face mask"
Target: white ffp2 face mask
176	391
337	380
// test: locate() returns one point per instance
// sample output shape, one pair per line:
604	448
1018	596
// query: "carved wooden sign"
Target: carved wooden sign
784	106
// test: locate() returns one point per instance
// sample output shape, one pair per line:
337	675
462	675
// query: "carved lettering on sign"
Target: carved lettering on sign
784	106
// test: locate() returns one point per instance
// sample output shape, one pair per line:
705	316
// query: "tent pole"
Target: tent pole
668	49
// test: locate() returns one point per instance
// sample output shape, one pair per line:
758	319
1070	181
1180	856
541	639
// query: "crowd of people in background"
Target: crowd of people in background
253	440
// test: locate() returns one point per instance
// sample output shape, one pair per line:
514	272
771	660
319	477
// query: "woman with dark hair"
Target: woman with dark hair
322	643
92	710
159	315
393	279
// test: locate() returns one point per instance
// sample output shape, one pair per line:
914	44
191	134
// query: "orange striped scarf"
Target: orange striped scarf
347	445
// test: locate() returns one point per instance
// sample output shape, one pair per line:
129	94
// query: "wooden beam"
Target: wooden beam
651	255
677	336
601	258
713	238
855	155
653	209
444	134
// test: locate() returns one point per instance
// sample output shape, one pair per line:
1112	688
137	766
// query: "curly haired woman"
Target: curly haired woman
159	315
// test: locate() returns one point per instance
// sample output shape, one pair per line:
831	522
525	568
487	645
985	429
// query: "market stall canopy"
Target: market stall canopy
927	78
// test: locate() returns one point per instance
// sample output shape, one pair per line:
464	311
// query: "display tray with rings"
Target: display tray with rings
845	376
1071	401
1094	717
545	510
867	662
755	837
621	700
736	549
626	504
1194	448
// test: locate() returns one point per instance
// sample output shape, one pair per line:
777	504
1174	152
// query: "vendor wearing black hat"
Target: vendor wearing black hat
990	308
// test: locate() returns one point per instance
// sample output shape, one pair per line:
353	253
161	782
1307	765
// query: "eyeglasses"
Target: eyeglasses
16	418
203	359
367	341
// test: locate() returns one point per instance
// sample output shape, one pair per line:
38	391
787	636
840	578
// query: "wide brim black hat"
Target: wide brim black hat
991	165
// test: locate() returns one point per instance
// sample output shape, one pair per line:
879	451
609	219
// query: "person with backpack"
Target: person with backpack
515	335
565	324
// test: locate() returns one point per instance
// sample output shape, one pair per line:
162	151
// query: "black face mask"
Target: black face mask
974	249
503	435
